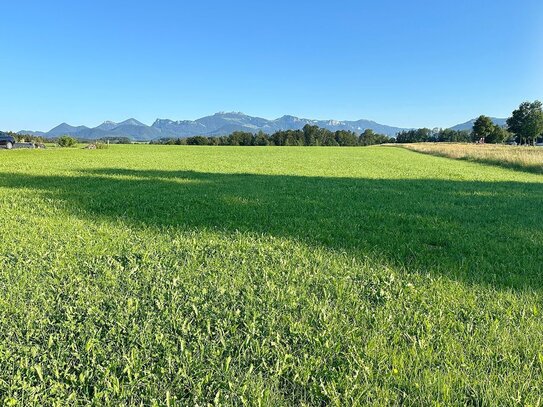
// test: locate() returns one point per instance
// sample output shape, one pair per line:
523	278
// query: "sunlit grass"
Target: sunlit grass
161	275
521	157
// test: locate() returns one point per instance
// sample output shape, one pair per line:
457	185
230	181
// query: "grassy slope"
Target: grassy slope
281	275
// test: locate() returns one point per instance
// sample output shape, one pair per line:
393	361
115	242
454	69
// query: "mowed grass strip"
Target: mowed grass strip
164	275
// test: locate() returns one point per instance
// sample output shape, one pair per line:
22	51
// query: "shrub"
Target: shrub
66	141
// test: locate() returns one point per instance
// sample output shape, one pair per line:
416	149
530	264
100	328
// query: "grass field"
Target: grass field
519	157
163	275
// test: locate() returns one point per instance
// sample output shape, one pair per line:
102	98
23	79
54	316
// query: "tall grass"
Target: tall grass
519	157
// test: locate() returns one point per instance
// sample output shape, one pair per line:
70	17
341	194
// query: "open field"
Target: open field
518	157
268	276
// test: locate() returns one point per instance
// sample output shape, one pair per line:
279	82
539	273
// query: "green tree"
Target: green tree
66	141
415	136
526	122
197	141
240	138
498	135
261	139
311	135
482	128
369	138
346	138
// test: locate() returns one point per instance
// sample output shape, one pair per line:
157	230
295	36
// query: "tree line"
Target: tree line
307	136
67	140
21	138
525	126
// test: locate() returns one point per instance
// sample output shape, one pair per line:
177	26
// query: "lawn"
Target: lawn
178	275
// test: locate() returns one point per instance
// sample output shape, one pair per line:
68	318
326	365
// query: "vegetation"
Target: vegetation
308	136
522	158
100	145
436	135
66	141
527	122
485	131
22	138
114	140
293	276
370	138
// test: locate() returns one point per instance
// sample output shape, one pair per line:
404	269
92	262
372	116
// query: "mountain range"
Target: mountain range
219	124
469	124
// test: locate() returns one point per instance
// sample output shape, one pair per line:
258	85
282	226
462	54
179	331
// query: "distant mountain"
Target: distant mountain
31	133
219	124
131	122
65	128
107	125
225	123
130	128
181	128
469	124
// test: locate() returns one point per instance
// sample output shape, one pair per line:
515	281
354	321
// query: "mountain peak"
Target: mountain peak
230	114
131	122
107	125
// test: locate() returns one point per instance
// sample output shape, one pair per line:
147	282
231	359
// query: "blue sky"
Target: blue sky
405	63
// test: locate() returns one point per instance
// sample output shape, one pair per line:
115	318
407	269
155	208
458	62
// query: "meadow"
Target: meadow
526	158
268	276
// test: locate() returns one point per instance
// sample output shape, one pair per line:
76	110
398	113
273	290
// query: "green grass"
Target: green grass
162	275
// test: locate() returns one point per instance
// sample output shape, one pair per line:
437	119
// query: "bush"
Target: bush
66	141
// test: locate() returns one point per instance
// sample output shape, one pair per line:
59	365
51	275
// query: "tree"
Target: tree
261	139
415	136
526	122
197	141
448	135
28	138
311	134
115	140
482	128
213	141
345	138
369	138
66	141
240	138
498	135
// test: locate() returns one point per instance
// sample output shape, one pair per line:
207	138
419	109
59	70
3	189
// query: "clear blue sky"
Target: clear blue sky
405	63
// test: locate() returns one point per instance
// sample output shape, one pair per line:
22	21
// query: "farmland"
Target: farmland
179	275
520	158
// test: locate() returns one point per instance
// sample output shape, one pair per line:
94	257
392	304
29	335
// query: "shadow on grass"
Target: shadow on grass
478	232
